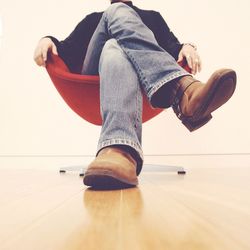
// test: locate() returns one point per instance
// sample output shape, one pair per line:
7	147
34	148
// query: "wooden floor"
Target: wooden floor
207	209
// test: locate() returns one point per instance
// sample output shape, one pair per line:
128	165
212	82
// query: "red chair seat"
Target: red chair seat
81	92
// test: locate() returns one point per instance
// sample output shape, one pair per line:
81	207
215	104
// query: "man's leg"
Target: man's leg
158	73
154	66
121	110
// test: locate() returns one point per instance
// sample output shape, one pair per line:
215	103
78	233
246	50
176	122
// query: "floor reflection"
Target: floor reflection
113	217
140	218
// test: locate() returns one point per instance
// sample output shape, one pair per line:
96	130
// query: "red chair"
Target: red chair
81	93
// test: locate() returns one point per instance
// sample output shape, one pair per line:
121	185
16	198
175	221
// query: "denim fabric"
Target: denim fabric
126	55
121	101
154	66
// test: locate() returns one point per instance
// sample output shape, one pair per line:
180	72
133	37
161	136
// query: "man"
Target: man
133	50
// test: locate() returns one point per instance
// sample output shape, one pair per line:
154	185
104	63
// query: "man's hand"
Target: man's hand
189	53
41	51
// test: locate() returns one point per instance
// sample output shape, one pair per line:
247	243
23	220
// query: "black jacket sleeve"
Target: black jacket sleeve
165	37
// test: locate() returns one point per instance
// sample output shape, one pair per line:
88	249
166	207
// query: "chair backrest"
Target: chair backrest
81	92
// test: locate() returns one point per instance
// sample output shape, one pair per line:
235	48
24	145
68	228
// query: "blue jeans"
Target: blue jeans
126	55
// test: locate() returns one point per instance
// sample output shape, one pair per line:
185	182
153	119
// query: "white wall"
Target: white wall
35	120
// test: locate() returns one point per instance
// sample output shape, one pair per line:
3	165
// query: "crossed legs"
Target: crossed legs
124	52
119	52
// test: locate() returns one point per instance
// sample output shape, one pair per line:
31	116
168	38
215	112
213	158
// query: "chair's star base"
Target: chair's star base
146	168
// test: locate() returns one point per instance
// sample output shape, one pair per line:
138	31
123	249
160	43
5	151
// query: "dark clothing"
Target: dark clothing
73	49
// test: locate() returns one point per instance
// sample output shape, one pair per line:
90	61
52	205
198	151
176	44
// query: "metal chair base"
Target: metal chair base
146	168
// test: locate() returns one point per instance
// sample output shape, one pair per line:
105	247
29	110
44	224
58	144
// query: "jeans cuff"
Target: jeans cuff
164	81
136	151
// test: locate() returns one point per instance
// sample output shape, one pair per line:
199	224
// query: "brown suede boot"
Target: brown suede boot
194	101
112	168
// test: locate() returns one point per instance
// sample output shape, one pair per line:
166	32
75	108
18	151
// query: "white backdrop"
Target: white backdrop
36	121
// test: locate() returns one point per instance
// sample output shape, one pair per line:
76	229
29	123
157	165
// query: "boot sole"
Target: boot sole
107	180
224	86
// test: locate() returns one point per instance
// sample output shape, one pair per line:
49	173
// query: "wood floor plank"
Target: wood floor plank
39	195
206	209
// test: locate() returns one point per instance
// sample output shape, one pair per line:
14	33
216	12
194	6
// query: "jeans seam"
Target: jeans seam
142	77
138	108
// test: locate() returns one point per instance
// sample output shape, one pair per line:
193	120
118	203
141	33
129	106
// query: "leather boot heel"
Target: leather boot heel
193	125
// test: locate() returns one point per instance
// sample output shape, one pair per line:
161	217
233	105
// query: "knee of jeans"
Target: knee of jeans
112	9
111	53
118	10
111	44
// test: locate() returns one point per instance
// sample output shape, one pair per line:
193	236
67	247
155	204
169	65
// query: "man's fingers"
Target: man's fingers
200	65
197	64
180	58
189	61
194	63
54	50
39	61
44	54
41	51
192	57
38	57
